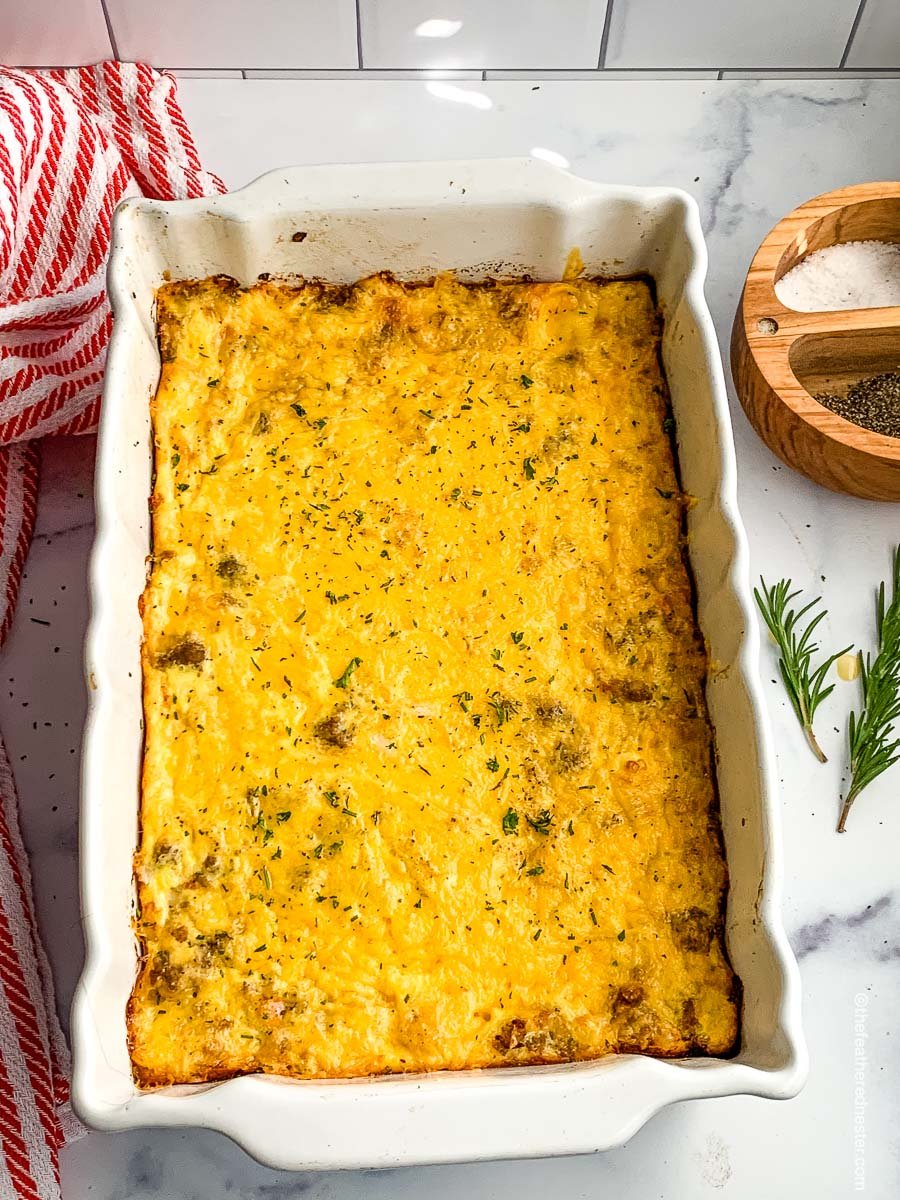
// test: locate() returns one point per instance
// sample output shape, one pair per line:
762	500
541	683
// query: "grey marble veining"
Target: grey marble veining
749	151
880	939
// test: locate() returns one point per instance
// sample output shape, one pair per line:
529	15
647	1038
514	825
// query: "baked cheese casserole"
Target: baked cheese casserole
428	778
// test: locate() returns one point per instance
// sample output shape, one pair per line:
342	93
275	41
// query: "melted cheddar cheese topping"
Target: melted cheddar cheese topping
428	775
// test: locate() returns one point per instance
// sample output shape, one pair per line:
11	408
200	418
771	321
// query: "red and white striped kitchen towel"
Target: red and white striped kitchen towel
72	144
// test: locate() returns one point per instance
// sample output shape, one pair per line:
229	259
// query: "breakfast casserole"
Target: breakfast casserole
428	777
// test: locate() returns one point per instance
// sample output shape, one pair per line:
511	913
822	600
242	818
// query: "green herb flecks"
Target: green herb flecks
804	684
872	746
528	468
510	821
343	681
542	822
503	707
263	826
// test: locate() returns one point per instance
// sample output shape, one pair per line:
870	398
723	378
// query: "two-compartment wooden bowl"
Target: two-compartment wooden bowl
781	358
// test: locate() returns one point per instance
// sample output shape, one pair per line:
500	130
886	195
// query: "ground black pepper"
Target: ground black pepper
872	403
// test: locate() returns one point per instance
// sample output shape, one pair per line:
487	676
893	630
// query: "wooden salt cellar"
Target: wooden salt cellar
780	358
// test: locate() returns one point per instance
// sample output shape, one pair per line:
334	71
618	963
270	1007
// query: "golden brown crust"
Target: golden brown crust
608	771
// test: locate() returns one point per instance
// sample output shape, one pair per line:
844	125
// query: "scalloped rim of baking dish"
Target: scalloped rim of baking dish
481	217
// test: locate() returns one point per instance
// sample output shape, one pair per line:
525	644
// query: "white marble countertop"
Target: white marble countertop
749	151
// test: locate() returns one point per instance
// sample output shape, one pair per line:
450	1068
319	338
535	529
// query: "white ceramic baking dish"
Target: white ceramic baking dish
481	218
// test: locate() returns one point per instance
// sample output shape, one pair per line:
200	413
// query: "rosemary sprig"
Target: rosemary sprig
804	685
871	748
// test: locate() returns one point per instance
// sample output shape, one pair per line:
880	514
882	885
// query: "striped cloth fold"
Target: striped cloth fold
73	143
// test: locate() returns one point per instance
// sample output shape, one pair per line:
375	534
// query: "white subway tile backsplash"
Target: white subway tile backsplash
729	33
461	38
234	33
45	33
481	33
877	40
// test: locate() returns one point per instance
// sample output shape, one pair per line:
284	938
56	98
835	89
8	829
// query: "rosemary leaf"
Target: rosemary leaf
803	682
873	748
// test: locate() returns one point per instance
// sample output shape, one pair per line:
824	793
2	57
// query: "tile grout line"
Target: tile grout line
852	35
604	36
510	75
359	54
810	72
109	29
651	74
384	74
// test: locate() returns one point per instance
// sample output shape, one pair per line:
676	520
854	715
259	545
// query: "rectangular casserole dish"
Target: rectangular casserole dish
479	218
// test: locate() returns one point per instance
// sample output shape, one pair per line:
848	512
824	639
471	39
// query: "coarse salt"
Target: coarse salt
850	275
